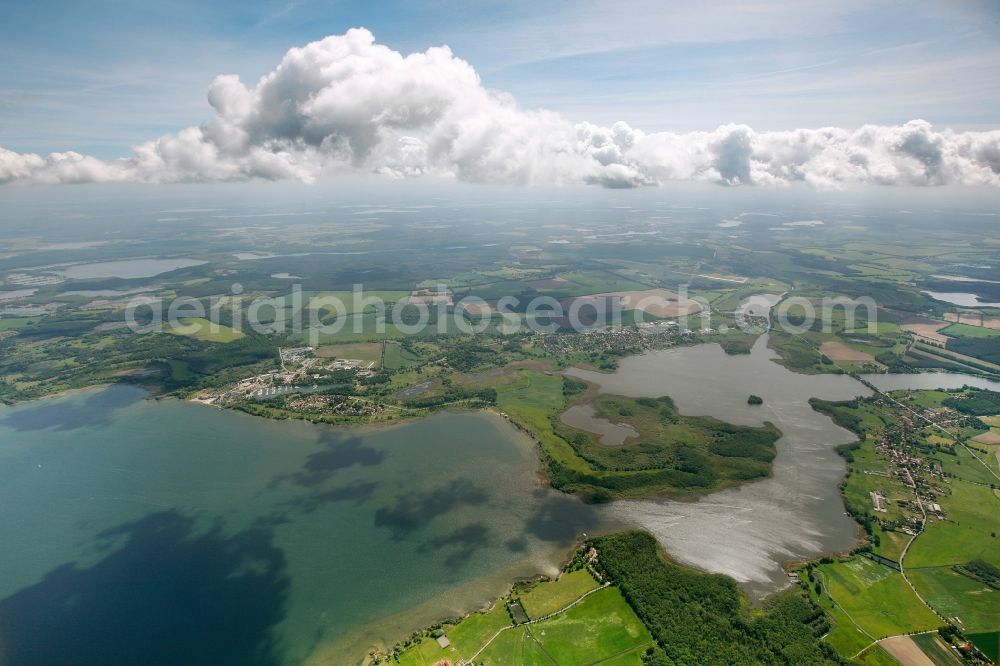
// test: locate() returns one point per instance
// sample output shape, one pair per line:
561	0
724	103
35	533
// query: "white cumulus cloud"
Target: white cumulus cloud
346	103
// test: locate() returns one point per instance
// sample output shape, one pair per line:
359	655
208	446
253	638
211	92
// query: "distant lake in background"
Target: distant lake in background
928	380
126	269
963	299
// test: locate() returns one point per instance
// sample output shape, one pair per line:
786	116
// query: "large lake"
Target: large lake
142	531
748	531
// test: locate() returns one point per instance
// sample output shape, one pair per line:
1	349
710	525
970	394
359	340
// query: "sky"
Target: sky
99	78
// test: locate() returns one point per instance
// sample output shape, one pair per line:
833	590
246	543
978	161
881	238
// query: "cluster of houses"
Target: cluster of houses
300	371
646	335
335	404
921	473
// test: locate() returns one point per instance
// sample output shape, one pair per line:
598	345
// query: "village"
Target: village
304	373
647	335
905	445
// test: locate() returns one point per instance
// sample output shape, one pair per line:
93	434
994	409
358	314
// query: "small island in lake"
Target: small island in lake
755	400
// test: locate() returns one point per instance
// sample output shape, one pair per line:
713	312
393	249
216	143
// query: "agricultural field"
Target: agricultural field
836	350
398	357
202	329
875	597
876	655
936	650
548	597
16	323
599	282
970	531
905	651
841	348
474	630
977	358
352	302
361	351
967	331
598	628
966	602
929	329
989	643
867	599
601	627
963	465
844	636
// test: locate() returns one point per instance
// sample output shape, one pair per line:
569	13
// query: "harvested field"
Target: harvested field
431	297
973	320
476	308
926	328
988	437
657	302
838	351
906	651
550	283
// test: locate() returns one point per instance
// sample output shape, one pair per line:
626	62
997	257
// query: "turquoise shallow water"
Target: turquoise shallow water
144	531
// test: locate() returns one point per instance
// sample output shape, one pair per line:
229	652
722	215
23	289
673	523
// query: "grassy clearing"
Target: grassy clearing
362	351
876	656
351	302
529	397
875	597
966	331
599	282
964	466
599	627
396	357
844	636
358	327
16	323
547	598
202	329
974	604
472	633
423	653
179	370
972	512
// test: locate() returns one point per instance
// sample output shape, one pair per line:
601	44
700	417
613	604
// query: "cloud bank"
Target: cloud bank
346	103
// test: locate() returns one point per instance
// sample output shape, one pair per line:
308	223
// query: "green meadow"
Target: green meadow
202	329
546	598
972	605
969	532
599	628
875	597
